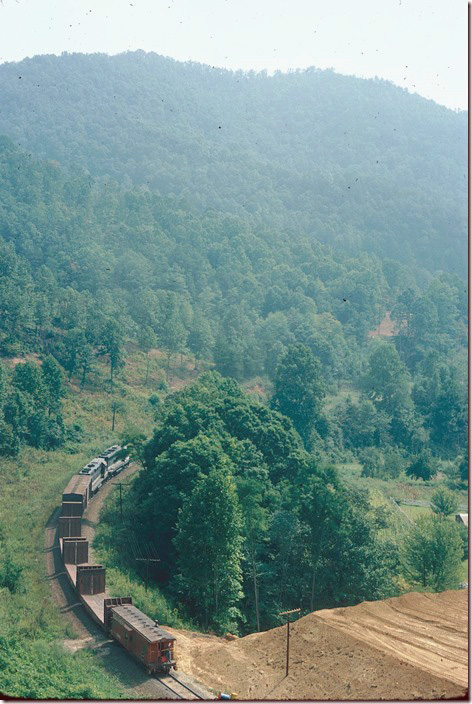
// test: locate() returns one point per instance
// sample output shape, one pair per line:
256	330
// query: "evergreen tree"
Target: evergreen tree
54	382
112	345
444	502
422	466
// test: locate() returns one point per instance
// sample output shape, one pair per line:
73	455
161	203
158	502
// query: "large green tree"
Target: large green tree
433	553
208	544
299	390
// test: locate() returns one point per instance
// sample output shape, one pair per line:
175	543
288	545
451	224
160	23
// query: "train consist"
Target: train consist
142	637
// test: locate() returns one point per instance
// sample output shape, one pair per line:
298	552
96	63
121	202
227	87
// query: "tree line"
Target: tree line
85	267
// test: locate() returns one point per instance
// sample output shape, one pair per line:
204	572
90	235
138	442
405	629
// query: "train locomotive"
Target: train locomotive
143	638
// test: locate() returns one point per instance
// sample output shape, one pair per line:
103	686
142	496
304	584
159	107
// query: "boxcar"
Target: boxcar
78	490
143	638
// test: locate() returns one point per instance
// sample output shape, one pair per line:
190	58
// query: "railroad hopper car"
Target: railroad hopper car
143	638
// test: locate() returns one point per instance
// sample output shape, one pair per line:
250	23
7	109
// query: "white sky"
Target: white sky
420	44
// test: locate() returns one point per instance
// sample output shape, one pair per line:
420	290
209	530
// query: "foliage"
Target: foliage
208	544
444	502
433	553
221	138
297	534
299	390
422	466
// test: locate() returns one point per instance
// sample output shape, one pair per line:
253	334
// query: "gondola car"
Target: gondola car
143	638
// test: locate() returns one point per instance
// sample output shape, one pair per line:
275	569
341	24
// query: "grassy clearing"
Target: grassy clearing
33	663
401	488
400	516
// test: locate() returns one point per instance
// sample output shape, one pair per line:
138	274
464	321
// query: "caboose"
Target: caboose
142	637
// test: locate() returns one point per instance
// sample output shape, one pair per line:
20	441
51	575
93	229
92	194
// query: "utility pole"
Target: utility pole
147	560
287	614
120	484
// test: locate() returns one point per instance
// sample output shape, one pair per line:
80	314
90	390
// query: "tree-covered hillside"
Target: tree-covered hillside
359	164
86	266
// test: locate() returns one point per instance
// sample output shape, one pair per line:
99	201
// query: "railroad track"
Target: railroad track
179	688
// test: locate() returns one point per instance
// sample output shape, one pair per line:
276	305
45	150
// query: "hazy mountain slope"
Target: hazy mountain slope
361	164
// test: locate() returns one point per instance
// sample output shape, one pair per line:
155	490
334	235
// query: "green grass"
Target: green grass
414	512
401	488
33	662
400	517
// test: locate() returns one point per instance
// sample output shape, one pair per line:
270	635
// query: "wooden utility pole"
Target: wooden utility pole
147	560
120	484
287	614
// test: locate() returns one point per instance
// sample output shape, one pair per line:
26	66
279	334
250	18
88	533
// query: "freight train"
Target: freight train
142	637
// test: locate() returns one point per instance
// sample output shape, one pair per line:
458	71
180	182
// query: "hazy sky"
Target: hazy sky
419	44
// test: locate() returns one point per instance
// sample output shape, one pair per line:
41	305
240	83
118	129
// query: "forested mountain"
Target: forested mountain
359	164
264	227
87	265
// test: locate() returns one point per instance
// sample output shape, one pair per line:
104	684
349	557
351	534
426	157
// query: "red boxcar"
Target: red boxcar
143	638
78	490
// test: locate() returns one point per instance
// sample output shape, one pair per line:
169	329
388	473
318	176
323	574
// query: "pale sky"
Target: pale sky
418	44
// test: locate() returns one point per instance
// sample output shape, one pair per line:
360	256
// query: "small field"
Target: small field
401	514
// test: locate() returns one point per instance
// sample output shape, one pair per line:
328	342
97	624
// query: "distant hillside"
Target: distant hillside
359	164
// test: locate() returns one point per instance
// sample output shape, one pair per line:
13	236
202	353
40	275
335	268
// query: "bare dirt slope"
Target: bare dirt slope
408	647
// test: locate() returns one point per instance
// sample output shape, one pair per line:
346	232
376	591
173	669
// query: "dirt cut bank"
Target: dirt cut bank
409	647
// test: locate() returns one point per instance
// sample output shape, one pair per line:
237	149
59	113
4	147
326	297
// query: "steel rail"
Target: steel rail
196	694
178	696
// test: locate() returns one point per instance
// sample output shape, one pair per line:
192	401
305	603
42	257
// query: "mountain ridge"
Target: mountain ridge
357	163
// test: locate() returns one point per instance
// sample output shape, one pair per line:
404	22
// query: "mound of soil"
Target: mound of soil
409	647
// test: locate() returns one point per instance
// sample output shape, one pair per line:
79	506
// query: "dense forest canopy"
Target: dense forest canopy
86	265
359	164
245	519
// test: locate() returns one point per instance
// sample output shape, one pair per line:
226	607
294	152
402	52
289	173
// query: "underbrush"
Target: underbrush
41	669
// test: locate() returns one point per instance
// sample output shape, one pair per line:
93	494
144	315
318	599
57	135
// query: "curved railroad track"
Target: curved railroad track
111	655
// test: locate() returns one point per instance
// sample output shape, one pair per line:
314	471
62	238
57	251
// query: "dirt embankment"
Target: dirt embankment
409	647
